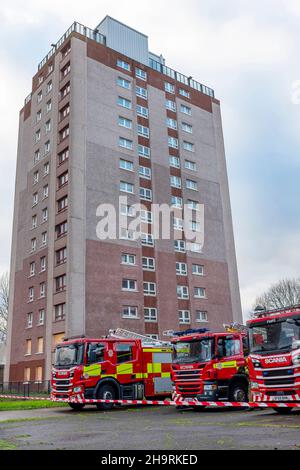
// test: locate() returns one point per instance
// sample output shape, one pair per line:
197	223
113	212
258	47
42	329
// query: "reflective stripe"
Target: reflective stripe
154	368
124	369
166	374
93	370
225	365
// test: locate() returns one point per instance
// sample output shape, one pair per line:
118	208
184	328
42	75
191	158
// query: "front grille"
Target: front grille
279	382
188	381
62	385
288	392
276	373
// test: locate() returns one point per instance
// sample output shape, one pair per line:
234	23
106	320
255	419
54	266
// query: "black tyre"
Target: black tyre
106	392
238	392
76	406
283	411
199	408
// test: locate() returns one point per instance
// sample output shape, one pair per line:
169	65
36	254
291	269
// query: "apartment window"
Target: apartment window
62	204
186	109
148	264
45	191
46	169
124	102
129	284
143	131
48	106
42	290
34	221
32	269
29	320
199	293
190	165
188	146
64	133
39	96
35	199
47	147
127	234
124	83
37	156
48	126
61	256
182	292
184	317
187	127
169	88
145	172
26	374
176	202
141	92
198	269
38	116
40	79
125	143
195	247
126	187
49	86
171	105
174	162
28	347
40	345
150	314
128	259
38	136
44	215
194	205
30	294
65	111
59	312
43	264
44	239
130	312
191	185
147	239
33	244
175	181
63	156
125	165
66	50
61	283
179	246
50	68
123	65
195	226
65	70
61	229
144	151
41	317
140	74
201	317
150	289
65	90
63	179
173	142
146	216
184	93
171	123
35	177
123	122
128	211
146	194
142	111
177	223
181	269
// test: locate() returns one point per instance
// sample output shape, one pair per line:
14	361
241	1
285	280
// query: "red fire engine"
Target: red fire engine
210	366
125	365
274	360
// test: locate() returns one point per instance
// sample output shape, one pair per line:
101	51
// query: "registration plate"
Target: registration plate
281	398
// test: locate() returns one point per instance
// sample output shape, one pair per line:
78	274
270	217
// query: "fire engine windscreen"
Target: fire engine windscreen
193	351
280	336
69	355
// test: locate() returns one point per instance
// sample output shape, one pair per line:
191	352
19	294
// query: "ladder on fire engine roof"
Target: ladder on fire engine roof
120	333
260	311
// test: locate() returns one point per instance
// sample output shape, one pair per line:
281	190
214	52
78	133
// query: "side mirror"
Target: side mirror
296	345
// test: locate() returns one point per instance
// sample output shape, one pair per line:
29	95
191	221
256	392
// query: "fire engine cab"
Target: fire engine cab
124	365
210	366
274	359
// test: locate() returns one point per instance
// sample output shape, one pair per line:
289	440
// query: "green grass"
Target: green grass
10	404
7	445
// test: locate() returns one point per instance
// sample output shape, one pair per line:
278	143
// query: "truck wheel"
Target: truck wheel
76	406
106	392
283	411
238	392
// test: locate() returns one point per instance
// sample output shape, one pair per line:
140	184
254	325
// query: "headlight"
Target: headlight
296	360
256	364
77	390
254	385
210	387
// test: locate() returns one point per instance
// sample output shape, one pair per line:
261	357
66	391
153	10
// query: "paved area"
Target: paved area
148	428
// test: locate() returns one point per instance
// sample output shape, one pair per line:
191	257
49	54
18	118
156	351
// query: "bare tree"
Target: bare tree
4	298
284	293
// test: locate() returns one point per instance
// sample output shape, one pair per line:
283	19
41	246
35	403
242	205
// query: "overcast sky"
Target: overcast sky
247	51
